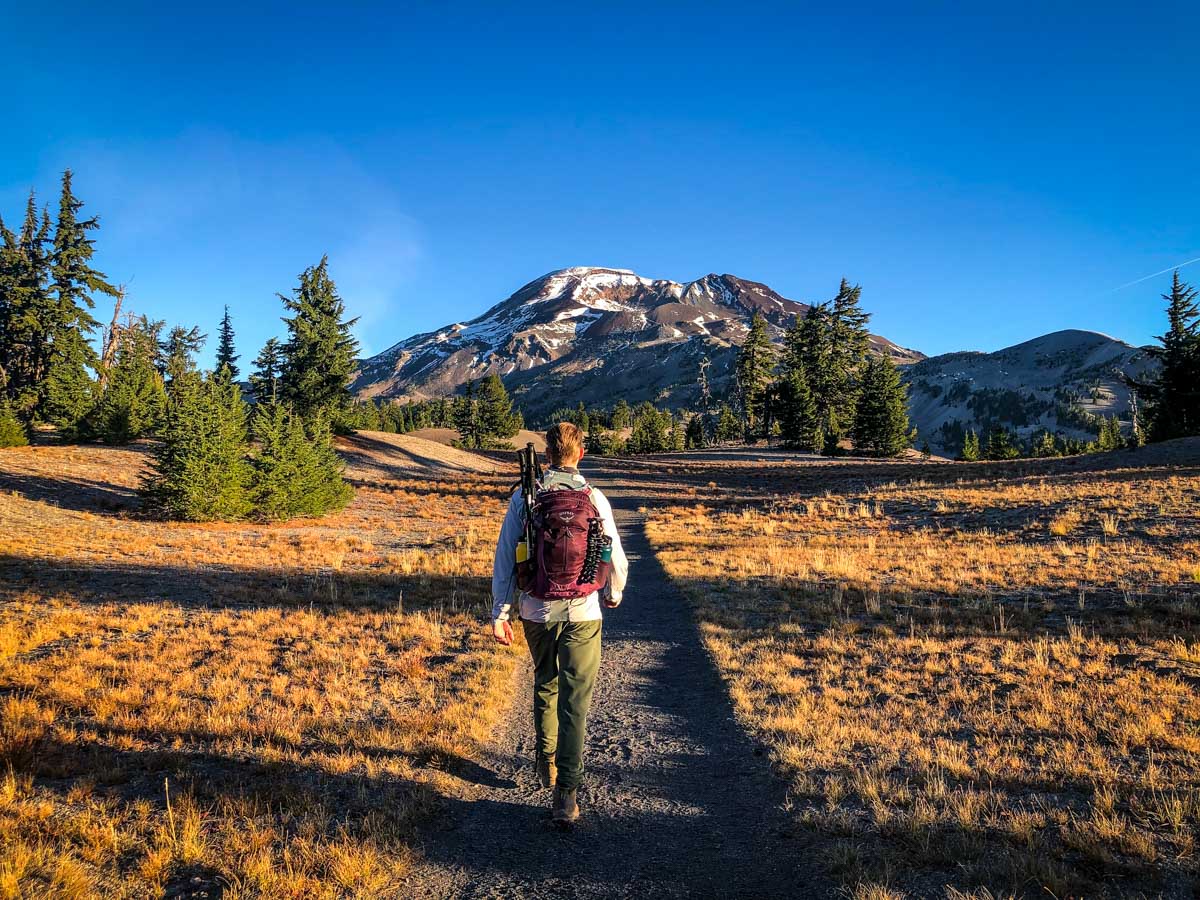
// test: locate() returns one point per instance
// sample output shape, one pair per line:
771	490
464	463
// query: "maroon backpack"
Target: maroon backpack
562	519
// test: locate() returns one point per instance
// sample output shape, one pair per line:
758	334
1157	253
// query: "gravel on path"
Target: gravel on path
678	800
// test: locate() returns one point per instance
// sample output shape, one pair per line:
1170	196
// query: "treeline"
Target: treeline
214	459
1000	443
483	415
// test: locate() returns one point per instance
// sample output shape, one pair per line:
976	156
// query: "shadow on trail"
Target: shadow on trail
677	799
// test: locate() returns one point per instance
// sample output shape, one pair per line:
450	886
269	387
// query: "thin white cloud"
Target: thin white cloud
1127	284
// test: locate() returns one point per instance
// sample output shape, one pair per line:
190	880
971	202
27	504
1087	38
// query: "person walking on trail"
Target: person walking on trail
560	556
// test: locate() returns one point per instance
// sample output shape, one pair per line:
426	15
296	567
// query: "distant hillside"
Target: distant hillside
592	335
1059	381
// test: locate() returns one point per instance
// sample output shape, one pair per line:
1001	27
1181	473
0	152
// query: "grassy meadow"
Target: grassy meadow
979	679
263	710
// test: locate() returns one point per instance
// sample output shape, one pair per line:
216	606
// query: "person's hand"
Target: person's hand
502	631
609	601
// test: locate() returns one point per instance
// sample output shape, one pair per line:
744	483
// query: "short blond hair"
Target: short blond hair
563	441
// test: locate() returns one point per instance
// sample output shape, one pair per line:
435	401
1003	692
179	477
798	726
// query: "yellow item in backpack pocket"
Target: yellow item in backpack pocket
522	551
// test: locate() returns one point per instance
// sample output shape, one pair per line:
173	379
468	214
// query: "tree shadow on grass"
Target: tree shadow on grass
67	492
220	587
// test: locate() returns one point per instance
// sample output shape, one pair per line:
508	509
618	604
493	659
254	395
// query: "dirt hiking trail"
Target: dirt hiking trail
677	798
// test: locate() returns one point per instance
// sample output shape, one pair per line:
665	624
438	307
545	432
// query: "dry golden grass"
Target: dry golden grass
979	681
263	709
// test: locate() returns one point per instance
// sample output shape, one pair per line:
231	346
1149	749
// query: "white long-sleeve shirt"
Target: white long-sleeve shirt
504	581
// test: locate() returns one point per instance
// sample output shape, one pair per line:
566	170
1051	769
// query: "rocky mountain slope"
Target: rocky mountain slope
1058	381
592	335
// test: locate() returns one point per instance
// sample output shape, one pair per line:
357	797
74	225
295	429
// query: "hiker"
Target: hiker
561	616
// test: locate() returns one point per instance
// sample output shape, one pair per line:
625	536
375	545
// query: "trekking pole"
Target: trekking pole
530	474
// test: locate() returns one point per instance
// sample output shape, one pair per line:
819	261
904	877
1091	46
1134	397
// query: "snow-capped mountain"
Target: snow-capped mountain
592	335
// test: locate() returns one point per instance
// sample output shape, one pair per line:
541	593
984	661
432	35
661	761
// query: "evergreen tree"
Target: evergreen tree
881	417
134	399
728	427
970	449
27	312
226	358
1046	446
465	418
1109	437
676	436
177	354
12	431
651	430
200	470
1174	397
752	371
264	381
497	422
798	423
1001	445
850	346
67	393
808	349
622	417
296	471
695	437
320	351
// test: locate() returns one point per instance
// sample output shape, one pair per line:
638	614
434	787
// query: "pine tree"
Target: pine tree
200	470
850	346
728	427
226	357
622	417
497	422
27	312
1001	445
67	393
177	354
12	431
1046	446
465	417
676	436
651	430
808	348
695	436
1174	397
752	371
970	448
320	351
799	427
881	416
264	381
296	471
1109	437
134	400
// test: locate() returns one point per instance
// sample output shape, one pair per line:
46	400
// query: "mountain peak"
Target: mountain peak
591	334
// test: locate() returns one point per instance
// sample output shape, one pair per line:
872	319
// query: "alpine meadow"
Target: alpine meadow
358	540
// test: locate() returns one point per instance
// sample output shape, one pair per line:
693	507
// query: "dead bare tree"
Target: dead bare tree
112	340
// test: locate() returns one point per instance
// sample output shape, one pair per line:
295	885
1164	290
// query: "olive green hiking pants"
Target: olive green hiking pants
566	657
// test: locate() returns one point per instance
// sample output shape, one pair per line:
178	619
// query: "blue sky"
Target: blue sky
987	172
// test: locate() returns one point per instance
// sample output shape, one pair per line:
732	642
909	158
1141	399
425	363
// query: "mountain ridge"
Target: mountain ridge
591	334
648	337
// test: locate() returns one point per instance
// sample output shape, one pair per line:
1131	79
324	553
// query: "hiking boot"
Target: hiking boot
566	810
547	772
